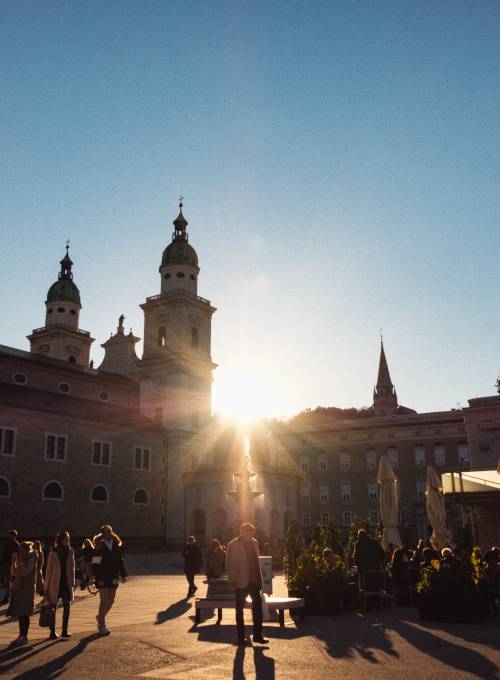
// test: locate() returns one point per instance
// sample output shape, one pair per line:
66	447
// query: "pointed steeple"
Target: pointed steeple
385	400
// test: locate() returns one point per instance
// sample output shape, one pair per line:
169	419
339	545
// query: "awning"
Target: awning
476	481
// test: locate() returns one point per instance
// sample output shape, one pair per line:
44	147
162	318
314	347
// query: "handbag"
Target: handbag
47	614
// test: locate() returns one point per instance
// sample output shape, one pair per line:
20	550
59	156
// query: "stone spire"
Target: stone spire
385	400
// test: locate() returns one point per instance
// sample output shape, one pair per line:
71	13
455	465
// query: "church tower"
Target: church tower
176	367
385	399
61	337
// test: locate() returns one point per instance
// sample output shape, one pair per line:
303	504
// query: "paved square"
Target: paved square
154	636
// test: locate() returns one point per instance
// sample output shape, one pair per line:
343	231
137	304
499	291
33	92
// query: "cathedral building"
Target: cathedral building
133	441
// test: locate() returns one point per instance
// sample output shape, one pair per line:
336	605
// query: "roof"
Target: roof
179	252
471	481
68	406
64	290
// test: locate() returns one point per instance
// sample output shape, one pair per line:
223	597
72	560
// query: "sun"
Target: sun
244	395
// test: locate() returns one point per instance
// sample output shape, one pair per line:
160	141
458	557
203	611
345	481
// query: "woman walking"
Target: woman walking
23	590
108	565
60	580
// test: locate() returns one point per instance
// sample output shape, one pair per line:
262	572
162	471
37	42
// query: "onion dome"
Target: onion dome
64	289
179	251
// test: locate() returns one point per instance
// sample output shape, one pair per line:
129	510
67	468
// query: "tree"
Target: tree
294	543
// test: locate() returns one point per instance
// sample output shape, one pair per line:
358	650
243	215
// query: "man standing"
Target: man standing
192	563
243	568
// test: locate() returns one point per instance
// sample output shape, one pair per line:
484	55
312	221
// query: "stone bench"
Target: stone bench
276	603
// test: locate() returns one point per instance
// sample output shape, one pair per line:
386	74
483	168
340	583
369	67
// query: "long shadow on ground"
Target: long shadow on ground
174	611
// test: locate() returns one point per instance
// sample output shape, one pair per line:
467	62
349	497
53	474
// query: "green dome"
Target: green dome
64	290
179	252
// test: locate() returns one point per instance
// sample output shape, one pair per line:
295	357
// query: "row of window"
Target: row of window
346	518
65	388
53	491
162	337
346	492
56	449
439	458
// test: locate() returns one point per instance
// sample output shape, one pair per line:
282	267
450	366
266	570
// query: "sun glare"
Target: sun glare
244	396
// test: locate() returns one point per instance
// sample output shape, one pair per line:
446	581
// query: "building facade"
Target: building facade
133	442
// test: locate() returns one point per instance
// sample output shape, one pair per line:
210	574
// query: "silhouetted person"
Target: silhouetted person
6	563
192	563
368	554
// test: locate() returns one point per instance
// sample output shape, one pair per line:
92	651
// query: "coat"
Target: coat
368	554
107	564
53	575
237	567
192	558
23	593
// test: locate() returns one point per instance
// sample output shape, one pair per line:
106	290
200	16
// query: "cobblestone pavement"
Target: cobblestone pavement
154	636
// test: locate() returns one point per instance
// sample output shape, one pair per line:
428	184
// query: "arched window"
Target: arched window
72	360
195	337
52	491
4	487
162	336
99	494
141	497
304	463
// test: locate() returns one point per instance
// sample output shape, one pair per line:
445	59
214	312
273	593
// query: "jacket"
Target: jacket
237	567
107	564
52	583
192	558
23	594
368	554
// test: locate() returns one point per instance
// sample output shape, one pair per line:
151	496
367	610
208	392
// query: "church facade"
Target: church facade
133	441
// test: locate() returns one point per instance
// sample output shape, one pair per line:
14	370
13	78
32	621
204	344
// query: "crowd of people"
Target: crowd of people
405	566
24	571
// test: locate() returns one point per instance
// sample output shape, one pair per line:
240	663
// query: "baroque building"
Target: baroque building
133	441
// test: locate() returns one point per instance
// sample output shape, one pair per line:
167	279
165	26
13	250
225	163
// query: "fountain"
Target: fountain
244	490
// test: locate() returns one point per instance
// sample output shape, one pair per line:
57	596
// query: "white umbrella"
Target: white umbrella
388	503
436	512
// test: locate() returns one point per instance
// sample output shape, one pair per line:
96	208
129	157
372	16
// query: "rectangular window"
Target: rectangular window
373	492
304	464
323	463
439	455
306	519
371	460
373	518
325	518
56	447
197	493
420	488
463	454
306	494
142	458
393	456
346	519
419	456
345	461
324	494
345	492
7	441
101	453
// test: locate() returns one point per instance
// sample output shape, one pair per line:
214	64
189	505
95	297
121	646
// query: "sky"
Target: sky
340	163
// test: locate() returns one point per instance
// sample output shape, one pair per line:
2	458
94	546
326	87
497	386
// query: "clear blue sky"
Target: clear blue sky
340	163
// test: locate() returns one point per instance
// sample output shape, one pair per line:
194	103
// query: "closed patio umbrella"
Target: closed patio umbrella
436	512
388	503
